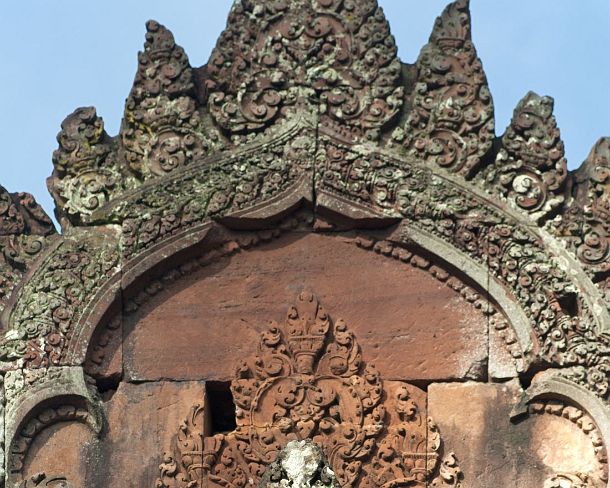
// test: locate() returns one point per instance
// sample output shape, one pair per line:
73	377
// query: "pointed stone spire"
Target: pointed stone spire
86	172
585	224
452	28
451	122
162	129
530	169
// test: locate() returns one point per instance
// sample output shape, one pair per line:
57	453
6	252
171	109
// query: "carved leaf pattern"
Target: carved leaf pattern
55	296
162	129
309	382
530	169
585	225
87	173
24	231
275	56
451	121
561	319
237	182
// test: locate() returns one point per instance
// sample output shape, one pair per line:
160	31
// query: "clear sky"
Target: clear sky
61	54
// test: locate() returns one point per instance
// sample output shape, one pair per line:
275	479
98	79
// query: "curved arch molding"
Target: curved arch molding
347	134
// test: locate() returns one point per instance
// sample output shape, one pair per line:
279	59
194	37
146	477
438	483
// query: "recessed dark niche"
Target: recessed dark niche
221	407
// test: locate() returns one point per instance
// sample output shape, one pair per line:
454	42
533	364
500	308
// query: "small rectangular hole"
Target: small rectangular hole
221	407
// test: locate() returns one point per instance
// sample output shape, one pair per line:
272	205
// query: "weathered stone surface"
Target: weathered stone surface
501	362
410	325
25	230
65	450
475	420
142	420
305	157
300	464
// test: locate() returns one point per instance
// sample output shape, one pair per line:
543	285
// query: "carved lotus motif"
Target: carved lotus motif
309	383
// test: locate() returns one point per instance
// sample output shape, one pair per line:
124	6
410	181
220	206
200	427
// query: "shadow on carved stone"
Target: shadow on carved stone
309	382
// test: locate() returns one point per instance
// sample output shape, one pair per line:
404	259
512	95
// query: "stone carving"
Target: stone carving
20	214
55	296
451	122
237	183
585	226
301	464
276	56
44	419
36	399
296	105
309	383
568	480
24	227
588	427
87	173
408	455
530	169
562	320
41	479
162	129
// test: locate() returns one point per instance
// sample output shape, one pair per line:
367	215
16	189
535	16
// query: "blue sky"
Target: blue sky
61	54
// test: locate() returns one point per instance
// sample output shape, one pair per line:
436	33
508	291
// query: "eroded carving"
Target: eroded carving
562	320
41	479
87	174
316	72
162	129
238	183
585	225
309	382
530	169
584	422
56	295
301	464
46	418
24	229
571	480
275	56
451	122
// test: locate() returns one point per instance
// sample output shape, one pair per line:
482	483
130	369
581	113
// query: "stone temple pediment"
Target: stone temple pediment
305	168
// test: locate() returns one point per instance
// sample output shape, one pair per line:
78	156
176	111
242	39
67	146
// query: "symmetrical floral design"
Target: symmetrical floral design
309	382
304	104
275	56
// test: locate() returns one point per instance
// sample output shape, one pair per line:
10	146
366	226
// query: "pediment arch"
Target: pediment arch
307	141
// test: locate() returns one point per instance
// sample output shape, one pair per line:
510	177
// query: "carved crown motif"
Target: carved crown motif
309	382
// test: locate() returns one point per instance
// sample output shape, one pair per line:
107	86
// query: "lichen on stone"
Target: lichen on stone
301	464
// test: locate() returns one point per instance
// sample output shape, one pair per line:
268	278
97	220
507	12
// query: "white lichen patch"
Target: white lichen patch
301	464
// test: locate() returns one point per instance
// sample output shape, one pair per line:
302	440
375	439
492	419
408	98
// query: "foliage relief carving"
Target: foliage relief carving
451	122
309	381
275	56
